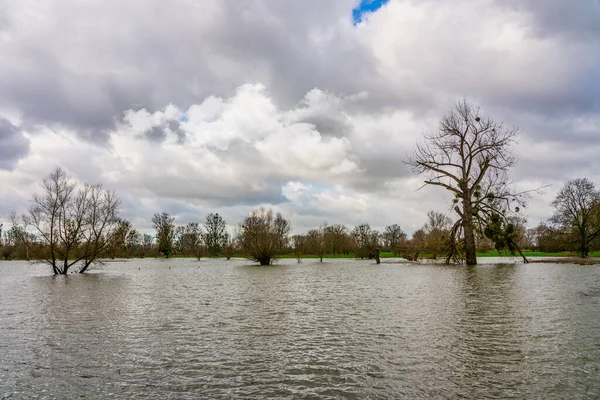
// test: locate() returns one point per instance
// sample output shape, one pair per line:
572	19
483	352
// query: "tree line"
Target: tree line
71	226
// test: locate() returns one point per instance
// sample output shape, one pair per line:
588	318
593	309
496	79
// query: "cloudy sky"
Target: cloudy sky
307	106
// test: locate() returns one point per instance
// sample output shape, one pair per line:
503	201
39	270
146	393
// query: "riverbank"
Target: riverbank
568	260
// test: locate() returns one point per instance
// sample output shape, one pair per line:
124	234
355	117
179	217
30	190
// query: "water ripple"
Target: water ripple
341	329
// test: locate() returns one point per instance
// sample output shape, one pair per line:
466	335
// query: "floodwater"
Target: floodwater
182	329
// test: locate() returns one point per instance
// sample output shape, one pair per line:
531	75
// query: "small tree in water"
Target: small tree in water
68	225
263	236
470	157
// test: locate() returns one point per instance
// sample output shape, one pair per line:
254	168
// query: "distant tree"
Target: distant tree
229	247
188	239
133	244
299	245
366	242
337	239
391	236
177	240
68	224
315	241
147	243
120	246
470	157
215	234
547	238
577	213
437	234
410	249
263	236
165	232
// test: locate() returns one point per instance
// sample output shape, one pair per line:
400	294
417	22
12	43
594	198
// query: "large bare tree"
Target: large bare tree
470	156
68	224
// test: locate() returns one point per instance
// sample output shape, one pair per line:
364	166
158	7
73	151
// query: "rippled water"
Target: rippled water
341	329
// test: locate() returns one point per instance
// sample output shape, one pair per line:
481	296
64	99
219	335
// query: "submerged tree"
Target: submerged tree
263	236
577	213
470	157
165	232
68	224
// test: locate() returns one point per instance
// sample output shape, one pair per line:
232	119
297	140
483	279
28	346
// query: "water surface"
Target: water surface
342	329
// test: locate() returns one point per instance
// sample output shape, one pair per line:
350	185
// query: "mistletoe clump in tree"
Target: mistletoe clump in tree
470	156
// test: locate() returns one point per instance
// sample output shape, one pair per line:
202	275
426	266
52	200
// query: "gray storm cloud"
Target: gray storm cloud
153	98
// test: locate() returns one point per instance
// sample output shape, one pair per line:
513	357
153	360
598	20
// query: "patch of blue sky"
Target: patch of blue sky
183	118
366	6
314	185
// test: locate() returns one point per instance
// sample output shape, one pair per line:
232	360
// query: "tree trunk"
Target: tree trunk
264	260
469	232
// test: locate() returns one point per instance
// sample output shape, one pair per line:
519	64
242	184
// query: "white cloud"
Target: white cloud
224	106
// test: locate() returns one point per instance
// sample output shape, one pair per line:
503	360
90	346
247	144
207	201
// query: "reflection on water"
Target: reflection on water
342	329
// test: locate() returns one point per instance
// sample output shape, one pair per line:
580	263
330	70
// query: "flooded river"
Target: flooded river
342	329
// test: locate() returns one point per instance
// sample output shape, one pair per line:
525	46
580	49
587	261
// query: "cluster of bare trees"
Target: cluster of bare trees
192	239
433	239
362	241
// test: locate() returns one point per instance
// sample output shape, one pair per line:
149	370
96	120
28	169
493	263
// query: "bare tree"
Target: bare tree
437	234
215	234
391	236
577	213
264	236
470	157
410	249
165	232
337	239
229	247
147	242
188	240
315	241
120	246
299	245
366	242
73	224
